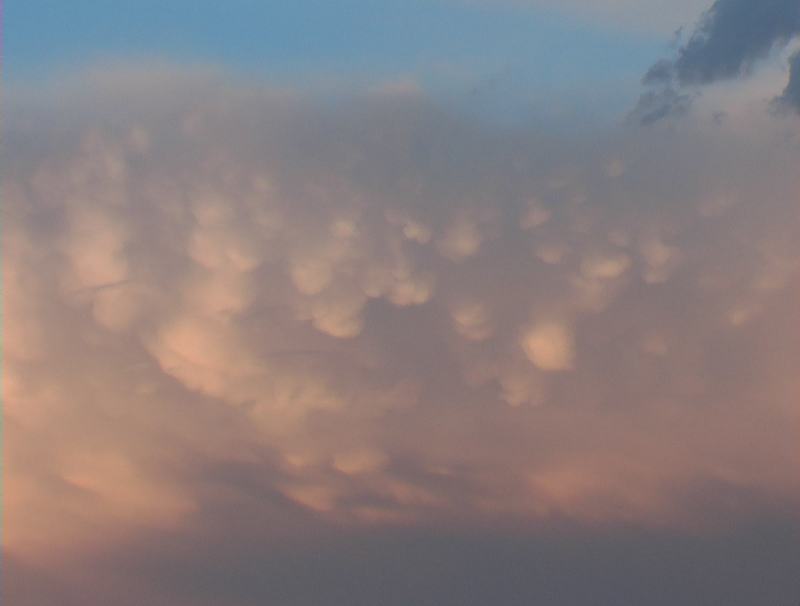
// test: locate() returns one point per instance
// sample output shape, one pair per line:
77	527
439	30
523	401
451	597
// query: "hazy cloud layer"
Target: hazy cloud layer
730	40
248	330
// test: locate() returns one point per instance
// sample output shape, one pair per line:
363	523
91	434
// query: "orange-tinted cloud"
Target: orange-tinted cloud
218	301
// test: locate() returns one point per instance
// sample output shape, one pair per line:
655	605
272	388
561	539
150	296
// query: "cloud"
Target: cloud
549	346
730	41
244	324
733	35
791	96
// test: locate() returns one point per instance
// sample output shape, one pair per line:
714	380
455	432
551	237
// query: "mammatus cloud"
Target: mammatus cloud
256	341
730	40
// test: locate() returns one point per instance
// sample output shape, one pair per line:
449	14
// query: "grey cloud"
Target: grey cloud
791	96
657	105
732	37
660	72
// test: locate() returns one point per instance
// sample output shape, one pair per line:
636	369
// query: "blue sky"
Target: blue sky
445	46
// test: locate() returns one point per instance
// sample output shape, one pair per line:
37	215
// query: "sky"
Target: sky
436	302
489	58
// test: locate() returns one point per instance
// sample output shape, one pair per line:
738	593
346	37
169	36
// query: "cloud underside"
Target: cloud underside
730	41
243	317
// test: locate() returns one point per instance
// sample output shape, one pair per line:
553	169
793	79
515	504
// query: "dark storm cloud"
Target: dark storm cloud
732	37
